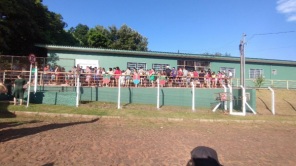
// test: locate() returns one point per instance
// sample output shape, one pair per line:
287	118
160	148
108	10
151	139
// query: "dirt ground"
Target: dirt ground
121	141
143	142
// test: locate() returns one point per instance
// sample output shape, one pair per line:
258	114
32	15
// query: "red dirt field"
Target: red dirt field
53	141
48	141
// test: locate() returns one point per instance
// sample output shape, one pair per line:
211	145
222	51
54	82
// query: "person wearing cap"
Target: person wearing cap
204	156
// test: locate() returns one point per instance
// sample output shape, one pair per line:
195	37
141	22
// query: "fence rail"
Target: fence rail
90	79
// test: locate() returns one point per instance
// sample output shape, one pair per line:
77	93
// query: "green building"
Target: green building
276	73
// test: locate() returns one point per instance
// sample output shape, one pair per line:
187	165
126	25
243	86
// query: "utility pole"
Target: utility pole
242	60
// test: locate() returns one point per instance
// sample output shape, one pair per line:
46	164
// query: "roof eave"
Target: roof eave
164	54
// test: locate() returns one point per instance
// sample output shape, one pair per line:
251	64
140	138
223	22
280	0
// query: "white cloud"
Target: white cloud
292	18
287	7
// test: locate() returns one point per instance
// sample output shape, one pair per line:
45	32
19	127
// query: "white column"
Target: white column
243	100
193	97
118	100
29	86
225	102
272	101
77	90
230	101
36	79
287	84
158	89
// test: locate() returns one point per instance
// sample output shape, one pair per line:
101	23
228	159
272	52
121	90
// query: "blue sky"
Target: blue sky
195	26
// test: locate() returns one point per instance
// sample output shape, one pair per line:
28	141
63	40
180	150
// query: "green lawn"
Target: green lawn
141	111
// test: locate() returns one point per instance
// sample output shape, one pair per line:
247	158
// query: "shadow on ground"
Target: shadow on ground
10	134
4	113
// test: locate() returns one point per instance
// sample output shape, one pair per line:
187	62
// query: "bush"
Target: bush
259	81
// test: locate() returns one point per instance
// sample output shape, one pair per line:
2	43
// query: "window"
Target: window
136	65
227	69
194	64
189	63
255	73
159	67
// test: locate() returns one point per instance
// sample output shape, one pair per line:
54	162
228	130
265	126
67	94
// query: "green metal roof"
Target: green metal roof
165	54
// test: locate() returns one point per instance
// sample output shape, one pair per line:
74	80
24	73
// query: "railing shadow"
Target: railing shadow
265	104
11	134
290	104
49	164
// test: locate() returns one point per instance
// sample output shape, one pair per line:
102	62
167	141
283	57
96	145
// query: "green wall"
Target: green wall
67	60
282	72
204	98
215	66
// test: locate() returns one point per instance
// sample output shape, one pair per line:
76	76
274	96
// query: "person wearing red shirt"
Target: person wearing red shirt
117	74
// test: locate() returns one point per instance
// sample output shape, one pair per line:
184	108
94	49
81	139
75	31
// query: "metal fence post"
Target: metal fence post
193	96
272	101
4	76
158	89
287	84
119	91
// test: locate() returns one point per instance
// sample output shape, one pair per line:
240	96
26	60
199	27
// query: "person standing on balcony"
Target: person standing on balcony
230	75
117	74
127	74
46	71
57	74
201	77
88	72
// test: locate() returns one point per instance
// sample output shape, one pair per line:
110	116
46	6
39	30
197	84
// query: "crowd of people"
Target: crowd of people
169	77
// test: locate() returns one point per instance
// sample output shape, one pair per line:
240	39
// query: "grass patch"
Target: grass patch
143	111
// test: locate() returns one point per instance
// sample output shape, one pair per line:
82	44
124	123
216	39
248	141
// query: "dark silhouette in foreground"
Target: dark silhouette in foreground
203	156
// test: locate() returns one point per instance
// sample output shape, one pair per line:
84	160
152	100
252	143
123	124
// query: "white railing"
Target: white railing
62	80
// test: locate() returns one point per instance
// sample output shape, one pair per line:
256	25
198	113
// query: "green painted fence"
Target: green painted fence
204	98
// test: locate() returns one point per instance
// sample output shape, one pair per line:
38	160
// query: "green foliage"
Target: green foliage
52	59
259	81
216	54
227	54
80	33
99	37
24	23
127	39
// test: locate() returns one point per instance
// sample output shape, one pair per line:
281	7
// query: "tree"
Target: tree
227	54
80	33
127	39
217	54
98	37
17	28
24	23
124	39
